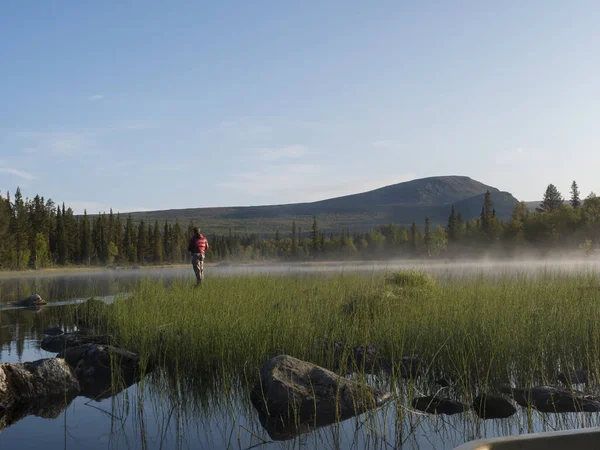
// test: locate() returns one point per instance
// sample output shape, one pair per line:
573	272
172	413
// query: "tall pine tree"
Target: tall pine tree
575	199
86	239
427	235
553	200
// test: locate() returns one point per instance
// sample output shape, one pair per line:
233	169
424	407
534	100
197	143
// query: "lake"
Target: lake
163	412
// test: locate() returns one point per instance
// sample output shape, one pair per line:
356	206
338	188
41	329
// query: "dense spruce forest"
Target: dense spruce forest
37	233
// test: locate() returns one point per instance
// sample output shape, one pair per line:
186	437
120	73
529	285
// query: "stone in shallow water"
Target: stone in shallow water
294	397
577	377
493	407
53	331
30	382
32	300
102	370
438	405
58	343
550	399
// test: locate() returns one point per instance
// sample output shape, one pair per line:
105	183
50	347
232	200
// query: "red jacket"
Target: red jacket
198	244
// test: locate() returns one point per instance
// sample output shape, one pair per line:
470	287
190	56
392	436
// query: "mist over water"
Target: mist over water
61	286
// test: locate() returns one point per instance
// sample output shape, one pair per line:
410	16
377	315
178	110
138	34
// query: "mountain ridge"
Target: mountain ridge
400	203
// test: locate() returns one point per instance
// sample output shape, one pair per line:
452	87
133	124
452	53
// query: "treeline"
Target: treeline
38	233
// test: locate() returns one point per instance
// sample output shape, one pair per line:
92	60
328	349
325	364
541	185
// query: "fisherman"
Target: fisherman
198	246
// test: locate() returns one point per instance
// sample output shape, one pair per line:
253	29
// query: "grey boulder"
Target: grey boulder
102	370
489	406
294	396
550	399
22	383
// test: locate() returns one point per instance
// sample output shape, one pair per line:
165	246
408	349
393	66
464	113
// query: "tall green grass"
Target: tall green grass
478	331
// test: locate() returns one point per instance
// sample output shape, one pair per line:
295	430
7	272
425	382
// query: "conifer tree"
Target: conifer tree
167	254
142	242
451	229
414	233
118	236
294	239
130	241
427	235
575	199
61	238
18	229
552	200
86	239
314	236
486	213
5	218
157	244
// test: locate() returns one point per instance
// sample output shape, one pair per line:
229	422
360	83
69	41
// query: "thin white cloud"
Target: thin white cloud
18	173
287	152
29	150
95	97
60	143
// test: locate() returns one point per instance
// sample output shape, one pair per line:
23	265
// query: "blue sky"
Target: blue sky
159	105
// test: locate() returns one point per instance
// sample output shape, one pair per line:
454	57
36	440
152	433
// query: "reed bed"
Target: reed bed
478	330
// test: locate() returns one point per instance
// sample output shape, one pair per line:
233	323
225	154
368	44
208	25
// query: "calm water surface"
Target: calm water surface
160	413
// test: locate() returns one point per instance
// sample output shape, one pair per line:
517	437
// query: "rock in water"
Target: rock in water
550	399
54	331
32	300
98	366
294	396
58	343
577	377
438	405
22	383
493	407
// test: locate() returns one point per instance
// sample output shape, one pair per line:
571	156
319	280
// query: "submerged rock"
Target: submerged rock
23	383
577	377
32	300
493	407
54	331
58	343
102	370
550	399
438	405
443	382
369	358
294	396
410	366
